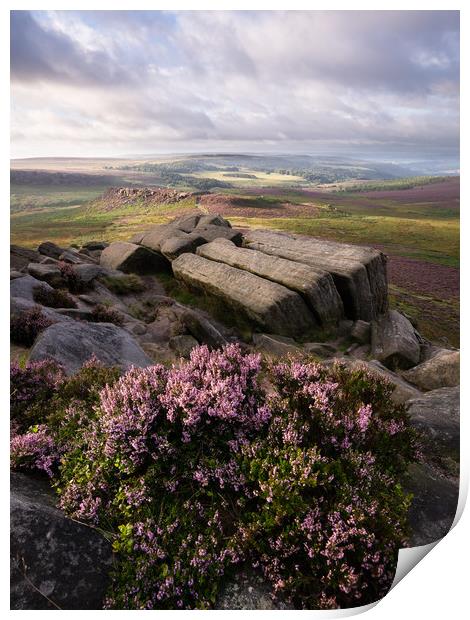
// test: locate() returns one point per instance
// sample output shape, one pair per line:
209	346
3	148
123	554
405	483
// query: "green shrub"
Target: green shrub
123	285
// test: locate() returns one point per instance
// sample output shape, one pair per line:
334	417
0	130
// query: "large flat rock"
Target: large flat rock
315	286
269	305
73	343
55	562
359	273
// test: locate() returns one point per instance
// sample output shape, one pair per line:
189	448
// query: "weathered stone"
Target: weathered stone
156	236
95	245
50	249
48	273
186	223
269	305
209	233
15	274
72	345
360	332
88	272
434	503
21	257
55	562
47	260
25	285
73	258
315	286
437	413
174	246
18	305
359	273
200	327
441	370
275	346
394	341
132	258
212	220
183	344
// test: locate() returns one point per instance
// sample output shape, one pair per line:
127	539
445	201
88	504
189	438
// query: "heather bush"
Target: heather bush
55	298
32	387
27	325
196	470
49	410
71	278
103	314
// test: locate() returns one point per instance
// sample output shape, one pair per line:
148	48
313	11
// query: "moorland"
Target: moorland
411	217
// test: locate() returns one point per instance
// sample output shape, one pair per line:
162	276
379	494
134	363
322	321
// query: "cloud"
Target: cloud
109	82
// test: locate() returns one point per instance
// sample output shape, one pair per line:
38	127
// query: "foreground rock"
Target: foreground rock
247	590
131	258
437	414
441	370
434	504
359	273
269	305
74	343
55	562
315	286
394	341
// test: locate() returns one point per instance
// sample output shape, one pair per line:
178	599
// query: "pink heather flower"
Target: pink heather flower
364	416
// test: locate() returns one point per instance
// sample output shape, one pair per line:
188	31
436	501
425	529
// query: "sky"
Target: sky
122	83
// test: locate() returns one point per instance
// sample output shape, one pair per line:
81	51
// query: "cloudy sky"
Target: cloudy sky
103	83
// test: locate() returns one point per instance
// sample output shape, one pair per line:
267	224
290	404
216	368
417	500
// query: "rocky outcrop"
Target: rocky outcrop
55	562
359	273
74	343
394	341
441	370
191	231
315	286
131	258
269	305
